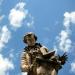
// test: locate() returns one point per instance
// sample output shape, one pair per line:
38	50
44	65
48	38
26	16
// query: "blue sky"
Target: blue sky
52	21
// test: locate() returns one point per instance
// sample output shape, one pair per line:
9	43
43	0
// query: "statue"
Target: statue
37	60
50	66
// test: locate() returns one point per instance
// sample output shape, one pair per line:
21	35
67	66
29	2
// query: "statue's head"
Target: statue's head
30	38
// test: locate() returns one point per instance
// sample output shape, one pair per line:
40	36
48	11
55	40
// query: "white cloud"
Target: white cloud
24	73
65	42
5	65
73	67
17	15
72	15
5	35
69	18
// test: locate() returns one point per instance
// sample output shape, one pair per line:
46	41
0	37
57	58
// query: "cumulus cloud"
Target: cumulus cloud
5	65
5	35
69	18
72	15
73	67
64	40
17	15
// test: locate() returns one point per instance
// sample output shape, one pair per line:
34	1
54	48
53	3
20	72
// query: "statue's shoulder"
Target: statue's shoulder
26	49
38	45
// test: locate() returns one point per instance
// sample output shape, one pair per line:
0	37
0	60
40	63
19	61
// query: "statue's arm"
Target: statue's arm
25	62
63	58
44	50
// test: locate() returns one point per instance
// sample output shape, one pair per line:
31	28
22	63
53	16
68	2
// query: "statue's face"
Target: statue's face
30	40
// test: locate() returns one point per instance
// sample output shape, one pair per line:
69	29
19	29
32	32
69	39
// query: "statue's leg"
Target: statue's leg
53	72
41	70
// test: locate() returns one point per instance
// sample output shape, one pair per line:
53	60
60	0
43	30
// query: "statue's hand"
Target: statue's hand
35	52
63	58
31	66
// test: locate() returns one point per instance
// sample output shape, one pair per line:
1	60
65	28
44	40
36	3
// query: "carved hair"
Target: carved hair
29	34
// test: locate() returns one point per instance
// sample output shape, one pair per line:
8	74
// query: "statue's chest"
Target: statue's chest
35	51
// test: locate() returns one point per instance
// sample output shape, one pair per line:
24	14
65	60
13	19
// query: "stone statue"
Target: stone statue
50	64
36	60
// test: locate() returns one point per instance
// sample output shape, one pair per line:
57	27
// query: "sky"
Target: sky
53	21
